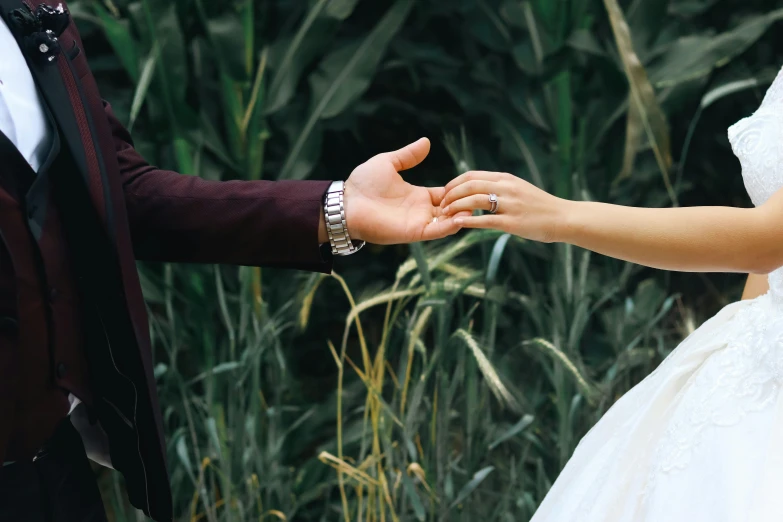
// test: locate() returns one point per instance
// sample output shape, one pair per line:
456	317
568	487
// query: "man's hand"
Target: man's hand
382	208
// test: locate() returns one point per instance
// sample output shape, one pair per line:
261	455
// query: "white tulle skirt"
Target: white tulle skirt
700	439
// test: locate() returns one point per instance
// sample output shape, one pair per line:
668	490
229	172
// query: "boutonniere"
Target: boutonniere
39	29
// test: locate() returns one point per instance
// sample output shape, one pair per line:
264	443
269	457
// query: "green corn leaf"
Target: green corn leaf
119	37
688	8
214	438
164	27
513	431
585	41
468	488
248	23
228	366
646	19
494	259
184	156
520	146
587	388
310	150
316	31
344	75
421	261
513	14
254	125
340	9
547	11
644	110
208	137
184	457
693	57
562	85
227	35
143	85
152	292
727	89
712	96
413	496
634	131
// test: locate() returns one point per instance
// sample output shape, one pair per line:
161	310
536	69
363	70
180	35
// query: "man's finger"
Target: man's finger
410	155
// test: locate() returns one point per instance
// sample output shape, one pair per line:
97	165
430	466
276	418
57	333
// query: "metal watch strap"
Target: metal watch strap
336	227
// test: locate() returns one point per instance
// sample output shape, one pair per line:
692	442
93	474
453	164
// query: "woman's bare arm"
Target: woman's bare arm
694	239
756	285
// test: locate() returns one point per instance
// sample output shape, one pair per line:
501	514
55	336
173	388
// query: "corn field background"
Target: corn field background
430	382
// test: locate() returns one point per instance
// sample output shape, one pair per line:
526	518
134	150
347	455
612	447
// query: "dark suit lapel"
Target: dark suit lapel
60	90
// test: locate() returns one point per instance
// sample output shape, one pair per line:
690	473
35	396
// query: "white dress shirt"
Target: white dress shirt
22	117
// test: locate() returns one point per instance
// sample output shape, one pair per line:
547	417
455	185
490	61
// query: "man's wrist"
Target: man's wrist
323	236
334	222
351	222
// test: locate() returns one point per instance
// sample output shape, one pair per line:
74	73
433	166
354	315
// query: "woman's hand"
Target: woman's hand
523	209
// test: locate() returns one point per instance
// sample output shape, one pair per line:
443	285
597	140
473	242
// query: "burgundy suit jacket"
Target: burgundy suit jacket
157	215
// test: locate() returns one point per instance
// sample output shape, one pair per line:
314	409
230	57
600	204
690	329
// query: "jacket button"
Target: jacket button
8	325
61	370
53	294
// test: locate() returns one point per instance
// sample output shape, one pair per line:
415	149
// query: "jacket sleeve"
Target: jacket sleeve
179	218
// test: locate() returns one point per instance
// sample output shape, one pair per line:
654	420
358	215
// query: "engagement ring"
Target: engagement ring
493	203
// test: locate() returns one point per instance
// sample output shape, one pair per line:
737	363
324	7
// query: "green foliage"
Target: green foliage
465	372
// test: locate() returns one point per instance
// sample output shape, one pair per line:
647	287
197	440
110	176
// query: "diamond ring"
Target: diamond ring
493	203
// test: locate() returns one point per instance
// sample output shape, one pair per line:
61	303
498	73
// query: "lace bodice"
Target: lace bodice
757	141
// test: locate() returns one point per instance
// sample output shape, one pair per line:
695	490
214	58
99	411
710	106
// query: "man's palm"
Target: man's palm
382	208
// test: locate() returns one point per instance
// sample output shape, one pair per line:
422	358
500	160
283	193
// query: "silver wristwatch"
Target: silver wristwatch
336	227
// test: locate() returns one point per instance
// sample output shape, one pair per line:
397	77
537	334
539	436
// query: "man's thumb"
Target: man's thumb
410	155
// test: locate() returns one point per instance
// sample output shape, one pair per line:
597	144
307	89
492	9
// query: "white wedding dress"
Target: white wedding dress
701	438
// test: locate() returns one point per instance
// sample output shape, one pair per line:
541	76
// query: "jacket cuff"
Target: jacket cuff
300	217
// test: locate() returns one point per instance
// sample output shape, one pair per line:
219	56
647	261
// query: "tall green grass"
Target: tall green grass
444	381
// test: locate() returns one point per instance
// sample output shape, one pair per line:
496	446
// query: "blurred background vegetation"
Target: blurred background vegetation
445	381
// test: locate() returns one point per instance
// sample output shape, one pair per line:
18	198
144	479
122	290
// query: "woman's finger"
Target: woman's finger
436	195
442	226
470	203
485	221
469	188
474	175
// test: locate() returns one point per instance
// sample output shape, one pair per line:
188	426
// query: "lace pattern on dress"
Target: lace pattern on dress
742	378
